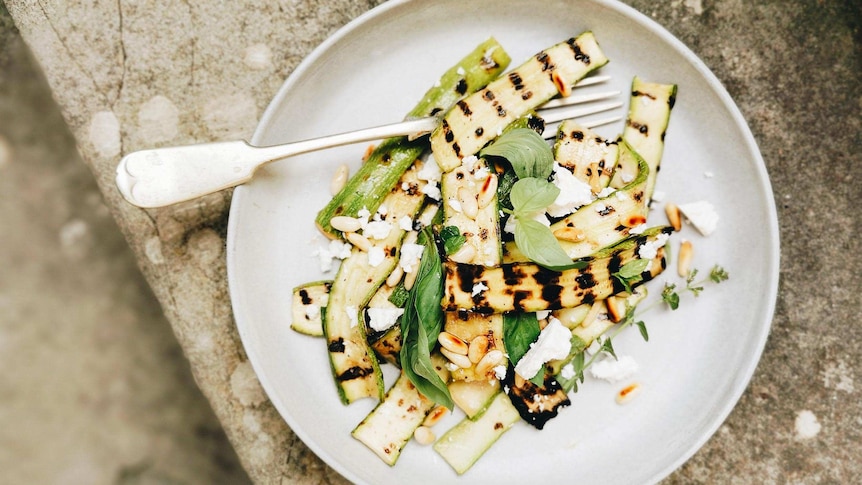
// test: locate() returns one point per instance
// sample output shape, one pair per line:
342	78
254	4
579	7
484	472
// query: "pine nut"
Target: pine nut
570	234
561	84
673	216
395	276
469	204
358	240
339	179
686	253
628	393
410	278
452	343
345	224
458	359
424	435
595	173
465	254
478	348
615	308
485	366
368	151
488	191
435	416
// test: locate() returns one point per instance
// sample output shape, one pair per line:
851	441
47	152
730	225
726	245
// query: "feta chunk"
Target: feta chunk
410	256
405	223
649	250
352	315
554	342
573	192
336	249
375	256
381	319
478	288
701	215
613	370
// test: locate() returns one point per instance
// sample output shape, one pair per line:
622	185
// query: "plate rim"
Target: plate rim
773	264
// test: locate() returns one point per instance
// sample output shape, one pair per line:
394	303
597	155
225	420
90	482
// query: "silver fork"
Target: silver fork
164	176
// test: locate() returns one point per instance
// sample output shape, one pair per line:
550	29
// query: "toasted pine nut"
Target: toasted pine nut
367	153
561	84
488	191
571	234
452	343
634	220
478	348
485	366
673	216
435	416
595	173
395	276
686	253
358	240
519	381
345	223
469	204
458	359
410	278
465	254
628	393
424	435
615	308
339	178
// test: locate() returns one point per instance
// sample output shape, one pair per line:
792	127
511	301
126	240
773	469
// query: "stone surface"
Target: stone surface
131	75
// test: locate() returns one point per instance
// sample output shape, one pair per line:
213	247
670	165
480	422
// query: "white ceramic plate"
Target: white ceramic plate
698	360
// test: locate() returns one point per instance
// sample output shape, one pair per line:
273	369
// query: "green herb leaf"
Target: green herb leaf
633	268
718	274
539	378
531	195
505	182
608	346
642	327
526	151
519	331
452	239
538	243
670	296
421	323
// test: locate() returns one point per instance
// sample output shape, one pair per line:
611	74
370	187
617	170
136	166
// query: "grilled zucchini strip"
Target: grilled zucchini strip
354	365
528	287
370	184
308	301
481	117
588	156
646	124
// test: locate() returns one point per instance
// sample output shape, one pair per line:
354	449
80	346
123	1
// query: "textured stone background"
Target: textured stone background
95	387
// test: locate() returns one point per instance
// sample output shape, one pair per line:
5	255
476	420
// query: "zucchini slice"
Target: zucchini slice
473	397
370	184
646	124
588	156
481	117
468	440
354	365
528	287
308	301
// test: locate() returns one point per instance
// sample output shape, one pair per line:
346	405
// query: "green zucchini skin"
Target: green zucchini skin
370	184
308	301
650	106
481	117
528	287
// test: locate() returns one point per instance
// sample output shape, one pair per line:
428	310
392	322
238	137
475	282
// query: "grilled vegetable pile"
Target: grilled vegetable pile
484	262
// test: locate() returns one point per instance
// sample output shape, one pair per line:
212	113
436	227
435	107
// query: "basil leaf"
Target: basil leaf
634	268
531	195
642	327
519	331
526	151
452	239
421	323
538	243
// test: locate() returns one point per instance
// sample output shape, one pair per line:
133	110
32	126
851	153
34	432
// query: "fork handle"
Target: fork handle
164	176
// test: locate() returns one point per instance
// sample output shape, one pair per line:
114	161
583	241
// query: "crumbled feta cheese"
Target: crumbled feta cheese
430	171
377	230
352	315
363	213
500	372
701	215
601	208
627	177
375	256
605	192
568	371
336	249
478	288
573	192
461	71
312	311
381	319
650	248
405	186
658	195
482	173
406	223
469	162
554	342
620	195
410	255
431	190
613	370
639	229
381	212
542	314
